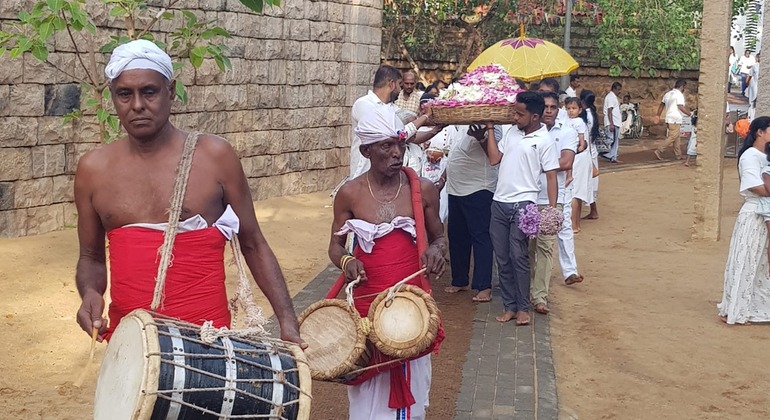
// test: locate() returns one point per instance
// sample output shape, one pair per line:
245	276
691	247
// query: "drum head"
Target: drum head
128	377
334	339
406	325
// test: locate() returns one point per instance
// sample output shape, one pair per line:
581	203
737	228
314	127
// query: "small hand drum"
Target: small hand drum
403	325
336	338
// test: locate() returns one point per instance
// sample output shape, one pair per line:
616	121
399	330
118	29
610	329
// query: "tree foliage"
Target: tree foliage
190	43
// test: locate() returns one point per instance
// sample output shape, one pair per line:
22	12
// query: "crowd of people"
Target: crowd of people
477	179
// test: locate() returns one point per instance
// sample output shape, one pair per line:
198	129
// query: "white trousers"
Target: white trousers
369	400
566	238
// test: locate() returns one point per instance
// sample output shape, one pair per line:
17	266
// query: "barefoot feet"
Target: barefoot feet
483	296
575	278
541	308
506	316
455	289
522	318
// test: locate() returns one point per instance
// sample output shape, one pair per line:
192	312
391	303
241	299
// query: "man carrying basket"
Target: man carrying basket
388	208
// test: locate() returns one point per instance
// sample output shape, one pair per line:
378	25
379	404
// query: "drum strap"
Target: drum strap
175	211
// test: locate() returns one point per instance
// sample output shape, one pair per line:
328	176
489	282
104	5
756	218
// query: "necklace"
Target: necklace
387	210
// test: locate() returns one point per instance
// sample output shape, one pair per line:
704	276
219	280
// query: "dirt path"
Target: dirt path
640	339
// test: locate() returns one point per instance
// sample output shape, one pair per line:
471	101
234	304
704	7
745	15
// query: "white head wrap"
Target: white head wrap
139	54
379	124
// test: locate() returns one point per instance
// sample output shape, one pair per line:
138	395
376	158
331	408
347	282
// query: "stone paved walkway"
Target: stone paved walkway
508	372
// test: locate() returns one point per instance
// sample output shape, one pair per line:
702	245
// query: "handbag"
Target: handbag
603	142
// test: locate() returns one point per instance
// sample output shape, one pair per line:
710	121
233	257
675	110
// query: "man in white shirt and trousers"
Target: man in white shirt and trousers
612	121
524	152
566	142
673	102
753	88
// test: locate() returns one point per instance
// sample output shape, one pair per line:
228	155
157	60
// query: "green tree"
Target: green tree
190	43
648	35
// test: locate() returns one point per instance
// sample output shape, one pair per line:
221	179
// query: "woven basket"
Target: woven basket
470	114
336	338
406	325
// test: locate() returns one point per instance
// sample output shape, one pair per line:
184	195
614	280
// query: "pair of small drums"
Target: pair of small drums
400	326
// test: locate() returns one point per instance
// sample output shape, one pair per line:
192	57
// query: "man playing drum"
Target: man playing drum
123	189
381	207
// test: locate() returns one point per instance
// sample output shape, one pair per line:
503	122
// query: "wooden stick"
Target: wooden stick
79	382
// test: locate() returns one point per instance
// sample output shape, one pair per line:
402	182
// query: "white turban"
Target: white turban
140	54
379	124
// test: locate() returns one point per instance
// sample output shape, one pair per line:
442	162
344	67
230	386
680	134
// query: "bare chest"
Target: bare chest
132	193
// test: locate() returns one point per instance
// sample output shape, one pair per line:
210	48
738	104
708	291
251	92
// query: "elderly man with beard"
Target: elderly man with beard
394	216
123	190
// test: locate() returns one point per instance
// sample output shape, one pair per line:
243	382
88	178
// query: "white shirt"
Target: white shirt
570	92
611	101
753	88
579	126
563	138
672	99
525	157
750	170
745	63
358	163
468	169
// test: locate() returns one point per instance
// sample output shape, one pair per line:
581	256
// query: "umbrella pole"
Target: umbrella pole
567	40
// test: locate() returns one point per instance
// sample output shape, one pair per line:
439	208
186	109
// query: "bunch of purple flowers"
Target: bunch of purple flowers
529	220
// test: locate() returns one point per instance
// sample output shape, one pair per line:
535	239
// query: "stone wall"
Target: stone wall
284	106
645	90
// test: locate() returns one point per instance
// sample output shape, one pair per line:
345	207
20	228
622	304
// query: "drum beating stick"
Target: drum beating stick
79	382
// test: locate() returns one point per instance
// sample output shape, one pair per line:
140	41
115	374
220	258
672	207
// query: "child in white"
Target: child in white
693	143
576	123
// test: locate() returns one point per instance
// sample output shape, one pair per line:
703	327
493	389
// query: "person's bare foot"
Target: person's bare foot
575	231
541	308
483	296
657	155
574	278
687	164
506	316
455	289
591	216
522	318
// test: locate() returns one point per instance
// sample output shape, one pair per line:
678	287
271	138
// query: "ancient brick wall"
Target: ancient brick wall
285	105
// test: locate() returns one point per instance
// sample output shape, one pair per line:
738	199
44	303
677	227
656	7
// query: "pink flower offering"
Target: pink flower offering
485	85
529	220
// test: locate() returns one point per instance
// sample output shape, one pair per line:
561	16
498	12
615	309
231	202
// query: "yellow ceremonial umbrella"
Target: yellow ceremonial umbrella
527	59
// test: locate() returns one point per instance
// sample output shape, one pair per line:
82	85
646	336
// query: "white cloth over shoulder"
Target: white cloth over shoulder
367	232
379	124
140	54
228	223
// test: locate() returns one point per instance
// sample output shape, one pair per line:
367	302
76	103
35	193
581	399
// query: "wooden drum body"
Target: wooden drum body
157	368
405	324
336	338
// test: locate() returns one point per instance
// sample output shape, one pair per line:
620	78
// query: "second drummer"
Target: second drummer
377	207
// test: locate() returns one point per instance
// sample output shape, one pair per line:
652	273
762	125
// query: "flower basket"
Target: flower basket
470	114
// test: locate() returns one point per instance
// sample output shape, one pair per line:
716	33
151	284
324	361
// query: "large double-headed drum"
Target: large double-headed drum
158	368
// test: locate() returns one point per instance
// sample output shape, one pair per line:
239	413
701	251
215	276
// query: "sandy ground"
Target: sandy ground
44	350
640	338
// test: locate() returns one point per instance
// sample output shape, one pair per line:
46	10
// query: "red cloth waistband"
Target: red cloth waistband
195	287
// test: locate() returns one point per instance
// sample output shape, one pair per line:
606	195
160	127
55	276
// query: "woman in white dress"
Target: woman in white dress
585	184
746	295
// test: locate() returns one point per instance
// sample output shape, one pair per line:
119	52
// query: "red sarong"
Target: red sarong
394	257
195	284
